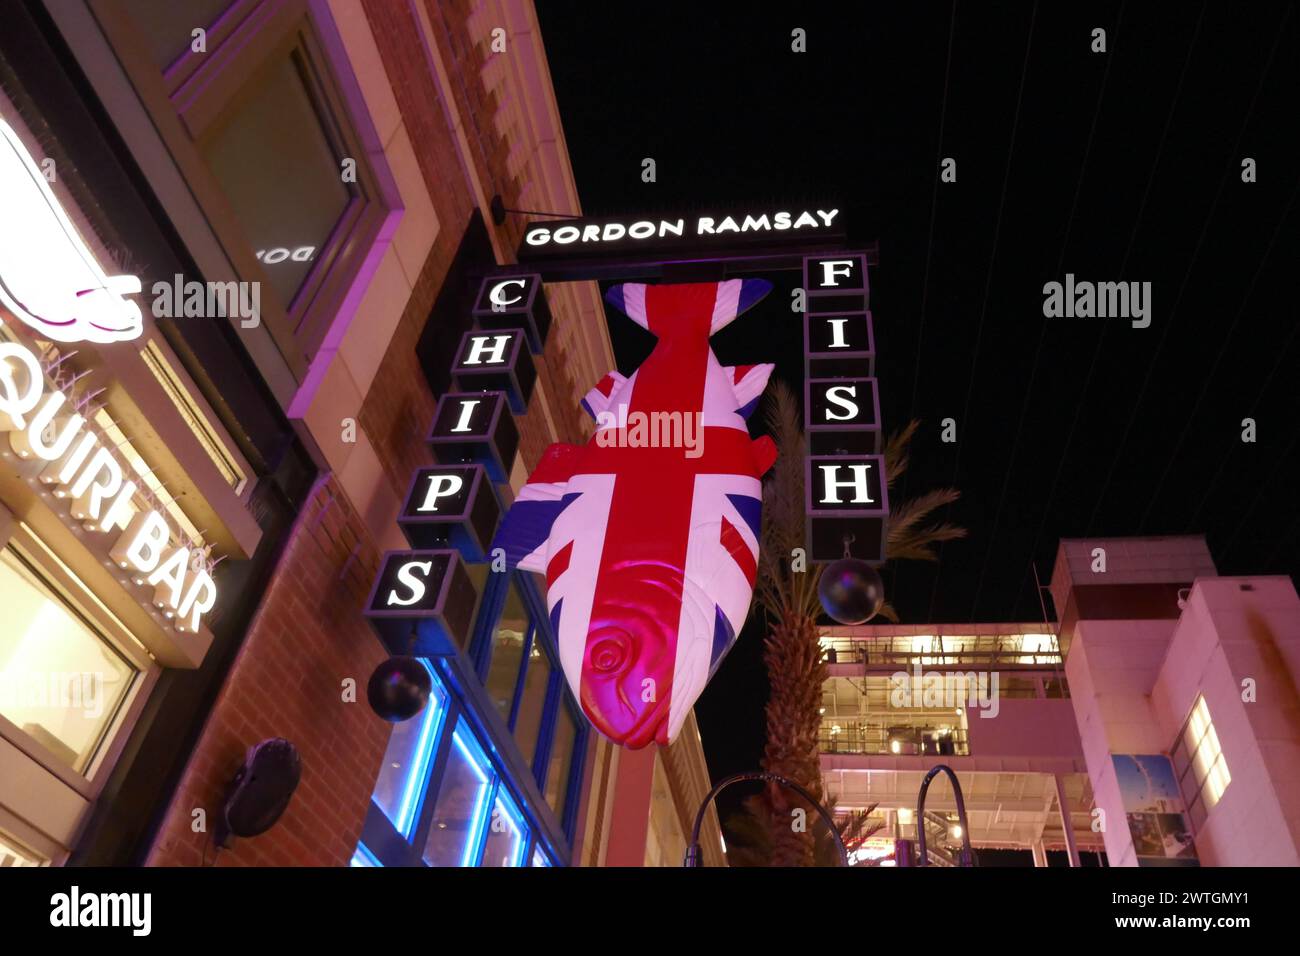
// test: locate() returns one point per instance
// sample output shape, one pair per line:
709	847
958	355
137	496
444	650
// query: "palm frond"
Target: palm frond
782	590
908	539
897	454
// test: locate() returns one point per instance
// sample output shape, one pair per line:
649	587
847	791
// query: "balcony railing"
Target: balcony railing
916	741
984	653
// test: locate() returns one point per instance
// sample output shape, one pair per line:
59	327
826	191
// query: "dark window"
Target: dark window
508	640
281	175
532	701
557	776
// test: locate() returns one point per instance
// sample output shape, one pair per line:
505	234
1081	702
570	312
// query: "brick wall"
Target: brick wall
309	633
308	636
399	406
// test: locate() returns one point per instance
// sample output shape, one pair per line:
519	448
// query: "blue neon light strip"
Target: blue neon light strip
363	857
516	820
417	775
478	820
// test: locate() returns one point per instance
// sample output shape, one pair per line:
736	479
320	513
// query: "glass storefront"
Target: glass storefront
464	785
459	814
406	763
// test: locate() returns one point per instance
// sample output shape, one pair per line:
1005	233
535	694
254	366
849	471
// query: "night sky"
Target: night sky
1117	166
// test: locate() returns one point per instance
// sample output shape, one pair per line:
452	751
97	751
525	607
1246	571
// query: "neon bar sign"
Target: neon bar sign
79	468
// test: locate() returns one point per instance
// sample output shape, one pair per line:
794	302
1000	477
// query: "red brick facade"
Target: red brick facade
309	633
399	406
307	637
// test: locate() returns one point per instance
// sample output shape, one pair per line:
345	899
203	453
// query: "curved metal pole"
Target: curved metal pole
693	851
967	854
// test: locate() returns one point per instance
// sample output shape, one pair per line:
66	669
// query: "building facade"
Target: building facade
1184	692
142	505
326	169
1154	723
991	701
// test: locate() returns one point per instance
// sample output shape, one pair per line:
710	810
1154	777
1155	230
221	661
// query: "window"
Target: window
259	126
405	770
508	640
61	682
290	197
532	702
1199	762
453	789
557	776
505	842
461	811
14	854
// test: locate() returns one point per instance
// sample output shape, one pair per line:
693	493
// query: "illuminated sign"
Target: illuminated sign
514	302
496	361
422	602
78	467
839	344
451	506
846	495
846	508
475	427
576	237
842	416
48	278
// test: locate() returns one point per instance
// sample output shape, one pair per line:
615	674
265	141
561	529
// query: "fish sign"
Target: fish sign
648	534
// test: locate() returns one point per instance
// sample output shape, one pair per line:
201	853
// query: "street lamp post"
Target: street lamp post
967	857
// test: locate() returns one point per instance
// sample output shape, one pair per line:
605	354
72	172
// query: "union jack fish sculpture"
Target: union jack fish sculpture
648	534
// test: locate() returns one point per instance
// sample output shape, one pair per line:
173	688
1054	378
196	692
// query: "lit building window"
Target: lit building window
61	683
14	854
1198	759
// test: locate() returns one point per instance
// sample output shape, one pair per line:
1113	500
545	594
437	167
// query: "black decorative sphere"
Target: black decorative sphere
399	689
851	591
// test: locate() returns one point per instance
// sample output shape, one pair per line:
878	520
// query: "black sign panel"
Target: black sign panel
846	496
839	344
423	603
842	416
496	360
475	427
514	302
451	505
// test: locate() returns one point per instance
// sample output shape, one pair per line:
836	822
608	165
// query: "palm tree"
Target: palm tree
750	838
787	593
